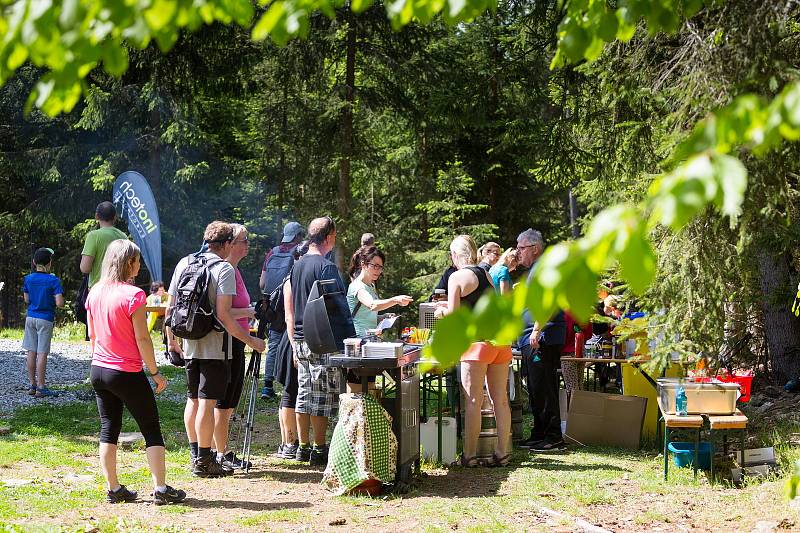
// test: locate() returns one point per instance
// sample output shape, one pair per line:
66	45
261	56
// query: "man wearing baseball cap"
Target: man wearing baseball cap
42	292
277	265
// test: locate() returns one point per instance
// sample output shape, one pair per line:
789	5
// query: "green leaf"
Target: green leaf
638	260
450	338
607	26
359	6
160	14
268	22
116	59
732	177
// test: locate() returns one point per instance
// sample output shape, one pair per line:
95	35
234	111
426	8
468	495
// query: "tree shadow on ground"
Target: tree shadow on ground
553	463
243	504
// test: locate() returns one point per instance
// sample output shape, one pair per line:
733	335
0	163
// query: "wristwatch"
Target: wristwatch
154	375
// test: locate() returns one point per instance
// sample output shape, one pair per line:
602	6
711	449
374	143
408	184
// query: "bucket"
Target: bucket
683	454
368	487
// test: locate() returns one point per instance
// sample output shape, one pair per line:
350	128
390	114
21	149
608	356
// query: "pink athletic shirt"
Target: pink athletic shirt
110	308
241	300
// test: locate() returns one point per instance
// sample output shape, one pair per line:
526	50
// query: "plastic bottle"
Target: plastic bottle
680	400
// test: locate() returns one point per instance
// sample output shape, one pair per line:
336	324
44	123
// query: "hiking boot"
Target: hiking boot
231	459
122	494
530	443
268	393
548	447
44	392
319	456
290	451
303	453
168	496
209	467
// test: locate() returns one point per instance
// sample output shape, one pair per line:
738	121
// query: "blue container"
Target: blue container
683	454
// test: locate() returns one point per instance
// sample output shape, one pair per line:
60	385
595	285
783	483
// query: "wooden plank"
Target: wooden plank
736	421
675	421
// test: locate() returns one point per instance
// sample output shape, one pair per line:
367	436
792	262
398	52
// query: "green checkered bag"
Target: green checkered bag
363	445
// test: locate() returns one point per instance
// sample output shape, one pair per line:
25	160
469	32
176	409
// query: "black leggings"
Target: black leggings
114	390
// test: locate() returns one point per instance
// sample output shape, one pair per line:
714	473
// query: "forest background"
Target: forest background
420	134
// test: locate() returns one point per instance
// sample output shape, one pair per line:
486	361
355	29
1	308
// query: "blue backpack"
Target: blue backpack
277	268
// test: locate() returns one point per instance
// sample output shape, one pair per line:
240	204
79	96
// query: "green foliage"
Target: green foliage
589	24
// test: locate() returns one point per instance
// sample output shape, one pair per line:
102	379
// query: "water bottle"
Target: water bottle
680	401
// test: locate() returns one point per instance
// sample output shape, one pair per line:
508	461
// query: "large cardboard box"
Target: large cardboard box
605	419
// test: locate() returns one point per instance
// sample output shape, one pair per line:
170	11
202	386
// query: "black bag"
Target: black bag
80	300
192	315
327	321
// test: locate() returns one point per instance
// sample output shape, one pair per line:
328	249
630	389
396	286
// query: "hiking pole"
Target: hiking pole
245	410
242	409
251	409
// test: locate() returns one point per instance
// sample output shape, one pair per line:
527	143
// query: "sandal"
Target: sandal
500	462
471	462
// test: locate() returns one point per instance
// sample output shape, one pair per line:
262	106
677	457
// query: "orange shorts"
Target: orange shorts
487	353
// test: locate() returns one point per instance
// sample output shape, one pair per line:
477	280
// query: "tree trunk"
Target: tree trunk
347	119
781	327
573	215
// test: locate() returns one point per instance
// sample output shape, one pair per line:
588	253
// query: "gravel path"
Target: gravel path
67	364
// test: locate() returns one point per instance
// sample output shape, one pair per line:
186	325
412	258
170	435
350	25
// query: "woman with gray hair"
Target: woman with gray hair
121	347
483	361
242	312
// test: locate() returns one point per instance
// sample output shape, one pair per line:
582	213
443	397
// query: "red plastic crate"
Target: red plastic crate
745	384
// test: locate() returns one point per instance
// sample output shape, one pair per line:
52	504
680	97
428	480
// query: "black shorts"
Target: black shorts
234	390
289	396
206	379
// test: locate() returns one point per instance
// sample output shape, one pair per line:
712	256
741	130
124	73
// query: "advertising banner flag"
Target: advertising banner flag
135	203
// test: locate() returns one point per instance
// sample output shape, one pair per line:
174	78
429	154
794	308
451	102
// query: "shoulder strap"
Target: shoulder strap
357	307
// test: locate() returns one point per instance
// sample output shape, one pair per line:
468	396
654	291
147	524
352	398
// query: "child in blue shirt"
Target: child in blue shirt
42	292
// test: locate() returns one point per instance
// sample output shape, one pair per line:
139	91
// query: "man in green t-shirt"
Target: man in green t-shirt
98	240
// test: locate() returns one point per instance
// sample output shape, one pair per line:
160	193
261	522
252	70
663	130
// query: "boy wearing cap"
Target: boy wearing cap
42	292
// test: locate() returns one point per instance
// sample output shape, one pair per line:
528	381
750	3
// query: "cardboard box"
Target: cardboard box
756	456
605	419
758	471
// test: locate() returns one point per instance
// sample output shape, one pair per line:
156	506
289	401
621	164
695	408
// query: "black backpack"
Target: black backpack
277	268
80	300
272	308
192	315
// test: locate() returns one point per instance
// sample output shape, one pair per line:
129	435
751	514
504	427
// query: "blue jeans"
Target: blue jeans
273	339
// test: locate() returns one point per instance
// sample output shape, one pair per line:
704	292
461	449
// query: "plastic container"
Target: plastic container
428	434
745	385
701	398
683	454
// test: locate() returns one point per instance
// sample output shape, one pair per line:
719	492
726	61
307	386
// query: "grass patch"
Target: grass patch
276	515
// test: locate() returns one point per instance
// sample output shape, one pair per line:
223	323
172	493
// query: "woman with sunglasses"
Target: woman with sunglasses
242	312
362	297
